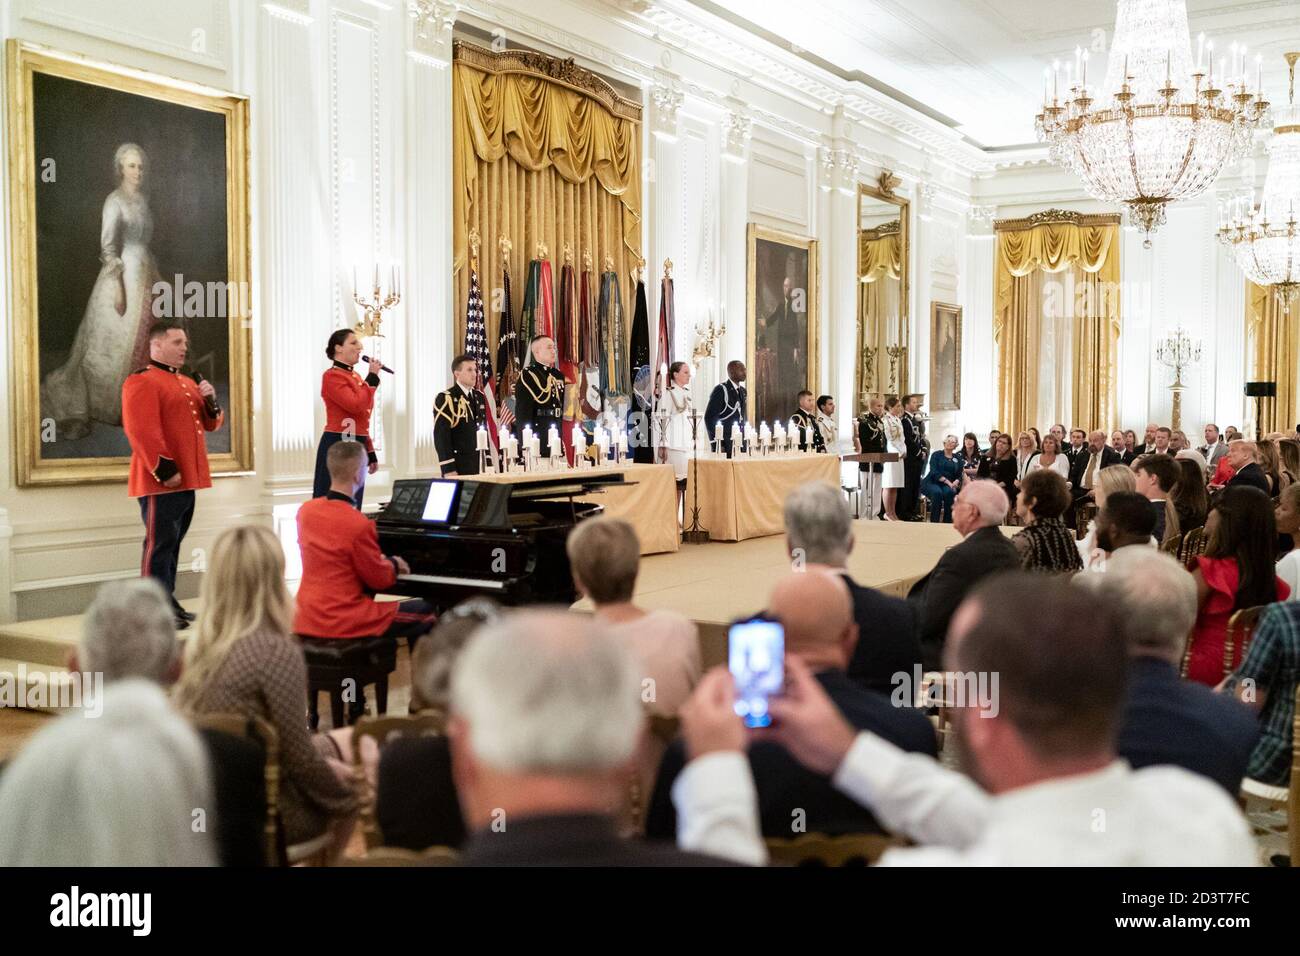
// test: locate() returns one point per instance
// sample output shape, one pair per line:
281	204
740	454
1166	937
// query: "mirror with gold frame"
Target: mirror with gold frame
883	326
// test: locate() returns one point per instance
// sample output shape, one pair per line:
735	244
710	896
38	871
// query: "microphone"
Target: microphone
366	358
210	400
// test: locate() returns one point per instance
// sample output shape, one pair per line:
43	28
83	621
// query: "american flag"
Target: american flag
477	348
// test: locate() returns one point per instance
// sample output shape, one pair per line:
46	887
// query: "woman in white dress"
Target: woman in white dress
674	422
112	339
1050	458
892	477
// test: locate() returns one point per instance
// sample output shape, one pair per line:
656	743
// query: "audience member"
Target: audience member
1088	463
1129	455
1191	503
1242	459
1266	680
1051	458
1110	481
1156	476
980	508
1125	521
942	480
1214	448
1045	544
1000	467
1237	571
1078	443
1270	462
970	457
817	614
819	533
1148	445
1287	517
1289	451
546	718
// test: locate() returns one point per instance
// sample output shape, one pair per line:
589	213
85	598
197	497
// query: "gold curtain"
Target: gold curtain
537	159
1275	352
1056	247
880	269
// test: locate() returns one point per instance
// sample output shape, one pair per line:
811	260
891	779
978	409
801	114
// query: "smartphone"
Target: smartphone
756	658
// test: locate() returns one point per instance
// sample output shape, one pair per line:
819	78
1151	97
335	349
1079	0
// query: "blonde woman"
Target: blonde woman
243	659
1109	481
894	442
1270	462
1026	452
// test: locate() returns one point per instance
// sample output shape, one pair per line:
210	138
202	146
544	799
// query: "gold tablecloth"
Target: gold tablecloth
649	505
743	498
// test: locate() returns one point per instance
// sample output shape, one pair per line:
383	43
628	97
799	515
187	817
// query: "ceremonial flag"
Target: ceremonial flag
609	316
566	357
476	348
590	350
507	355
664	336
536	317
642	379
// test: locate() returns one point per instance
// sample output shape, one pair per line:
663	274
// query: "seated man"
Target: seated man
978	511
819	536
546	716
1243	461
803	424
817	613
1167	720
1266	680
1041	743
1126	521
1156	476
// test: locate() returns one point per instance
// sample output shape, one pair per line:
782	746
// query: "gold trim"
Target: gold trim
1047	216
904	291
754	232
879	232
565	72
24	60
955	311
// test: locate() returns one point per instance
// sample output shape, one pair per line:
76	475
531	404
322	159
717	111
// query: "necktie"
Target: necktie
1087	475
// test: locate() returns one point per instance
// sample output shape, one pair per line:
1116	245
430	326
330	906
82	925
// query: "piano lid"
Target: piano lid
448	503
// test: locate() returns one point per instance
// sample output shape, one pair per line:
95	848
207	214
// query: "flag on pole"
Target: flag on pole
642	379
476	348
507	355
609	315
591	388
664	336
566	355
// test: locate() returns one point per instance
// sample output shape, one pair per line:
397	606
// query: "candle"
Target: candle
717	431
1169	67
1078	58
553	441
1084	81
1056	76
376	276
481	439
354	279
1200	51
1259	75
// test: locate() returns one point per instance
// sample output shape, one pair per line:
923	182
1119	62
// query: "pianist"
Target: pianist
342	566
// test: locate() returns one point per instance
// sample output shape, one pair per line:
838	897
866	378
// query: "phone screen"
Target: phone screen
756	658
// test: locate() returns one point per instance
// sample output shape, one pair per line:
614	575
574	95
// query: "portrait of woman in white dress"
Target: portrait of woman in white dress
892	476
111	340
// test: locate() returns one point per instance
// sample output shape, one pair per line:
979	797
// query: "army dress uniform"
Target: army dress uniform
539	403
457	415
165	418
806	426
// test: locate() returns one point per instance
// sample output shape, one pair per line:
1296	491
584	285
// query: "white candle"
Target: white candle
717	431
481	439
1200	51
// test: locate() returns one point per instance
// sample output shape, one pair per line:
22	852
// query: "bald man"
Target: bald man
816	610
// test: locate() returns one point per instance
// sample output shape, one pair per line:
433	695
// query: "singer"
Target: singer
349	400
165	414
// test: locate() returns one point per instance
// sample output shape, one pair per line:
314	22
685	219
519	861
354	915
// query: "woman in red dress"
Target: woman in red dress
1237	571
348	402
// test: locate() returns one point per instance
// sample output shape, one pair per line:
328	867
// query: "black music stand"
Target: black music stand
695	534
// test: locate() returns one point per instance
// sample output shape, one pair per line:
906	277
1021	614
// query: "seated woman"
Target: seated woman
943	479
1287	516
1000	466
1191	502
243	659
1236	571
1046	544
1052	458
970	457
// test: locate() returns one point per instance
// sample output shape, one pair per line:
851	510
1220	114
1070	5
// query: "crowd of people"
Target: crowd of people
546	713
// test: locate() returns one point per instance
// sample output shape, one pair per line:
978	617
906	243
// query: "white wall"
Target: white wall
350	161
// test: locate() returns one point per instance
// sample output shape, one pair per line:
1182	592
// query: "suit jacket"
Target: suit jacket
1079	468
801	421
417	805
342	567
239	791
726	405
1158	508
1213	453
578	839
1172	721
961	567
914	440
887	638
785	786
1251	475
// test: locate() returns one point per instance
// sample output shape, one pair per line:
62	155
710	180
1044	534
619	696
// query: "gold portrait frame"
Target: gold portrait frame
938	310
901	385
23	61
753	233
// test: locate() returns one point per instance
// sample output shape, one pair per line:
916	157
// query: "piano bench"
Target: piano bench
333	660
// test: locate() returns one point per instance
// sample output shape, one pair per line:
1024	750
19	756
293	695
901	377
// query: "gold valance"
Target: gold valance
882	256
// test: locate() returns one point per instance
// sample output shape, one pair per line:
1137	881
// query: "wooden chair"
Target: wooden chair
1084	513
398	856
818	849
264	734
1285	799
381	730
664	730
1193	545
1241	628
1172	546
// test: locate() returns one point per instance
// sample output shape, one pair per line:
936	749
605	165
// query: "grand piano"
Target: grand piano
465	536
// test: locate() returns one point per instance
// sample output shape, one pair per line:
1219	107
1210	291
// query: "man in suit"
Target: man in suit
1156	476
539	394
1095	456
1214	447
1244	457
546	721
727	406
803	424
1148	441
917	453
978	511
819	536
817	613
1166	720
457	414
1078	444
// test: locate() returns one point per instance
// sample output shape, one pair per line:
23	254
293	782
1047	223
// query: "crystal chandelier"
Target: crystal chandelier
1157	130
1263	238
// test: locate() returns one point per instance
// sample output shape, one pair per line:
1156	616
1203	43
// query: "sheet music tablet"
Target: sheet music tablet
437	506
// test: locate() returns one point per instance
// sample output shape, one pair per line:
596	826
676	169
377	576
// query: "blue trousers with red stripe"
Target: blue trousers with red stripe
166	519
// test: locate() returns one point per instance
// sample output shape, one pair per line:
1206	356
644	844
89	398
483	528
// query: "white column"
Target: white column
979	375
427	300
839	308
1138	401
663	204
734	211
918	345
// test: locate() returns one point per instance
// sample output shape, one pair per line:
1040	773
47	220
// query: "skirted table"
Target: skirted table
649	504
745	497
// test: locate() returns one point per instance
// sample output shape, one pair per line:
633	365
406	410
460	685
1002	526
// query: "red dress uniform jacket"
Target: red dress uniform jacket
164	417
349	400
340	561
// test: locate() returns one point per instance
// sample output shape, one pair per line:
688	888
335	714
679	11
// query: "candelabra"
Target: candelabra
1178	351
376	303
896	353
695	534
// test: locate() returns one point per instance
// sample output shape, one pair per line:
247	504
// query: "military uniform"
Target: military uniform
457	415
726	406
805	422
539	402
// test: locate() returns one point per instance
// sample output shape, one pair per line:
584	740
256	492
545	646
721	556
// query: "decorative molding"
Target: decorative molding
891	228
737	129
429	37
114	30
563	71
1057	216
982	214
925	193
838	168
295	11
666	99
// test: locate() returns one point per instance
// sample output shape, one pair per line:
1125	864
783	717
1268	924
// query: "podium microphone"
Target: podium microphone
366	358
209	400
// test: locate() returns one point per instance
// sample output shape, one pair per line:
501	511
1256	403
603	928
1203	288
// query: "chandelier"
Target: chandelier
1263	238
1156	130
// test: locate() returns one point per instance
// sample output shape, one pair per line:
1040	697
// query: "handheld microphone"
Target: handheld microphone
366	358
210	400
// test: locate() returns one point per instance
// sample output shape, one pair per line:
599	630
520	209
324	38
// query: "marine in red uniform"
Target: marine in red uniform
165	414
342	566
349	400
